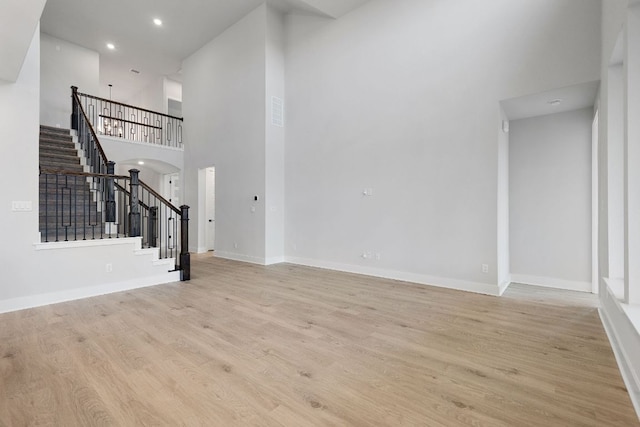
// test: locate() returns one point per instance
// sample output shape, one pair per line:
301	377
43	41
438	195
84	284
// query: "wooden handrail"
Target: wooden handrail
128	193
128	121
159	197
87	174
130	106
120	187
74	93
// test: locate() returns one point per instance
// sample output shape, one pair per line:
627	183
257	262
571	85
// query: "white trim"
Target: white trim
22	303
202	250
502	287
240	257
551	282
594	202
441	282
625	363
274	260
136	241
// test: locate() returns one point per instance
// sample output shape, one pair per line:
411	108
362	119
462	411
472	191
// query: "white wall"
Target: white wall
119	150
550	200
275	139
19	147
154	95
62	65
224	109
172	90
402	97
150	97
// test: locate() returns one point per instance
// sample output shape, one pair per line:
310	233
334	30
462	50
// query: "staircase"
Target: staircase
57	150
84	204
68	210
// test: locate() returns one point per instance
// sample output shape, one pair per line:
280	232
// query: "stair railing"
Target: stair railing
111	118
120	206
70	213
92	151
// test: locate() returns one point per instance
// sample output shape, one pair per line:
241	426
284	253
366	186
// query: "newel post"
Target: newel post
185	257
74	108
135	229
110	194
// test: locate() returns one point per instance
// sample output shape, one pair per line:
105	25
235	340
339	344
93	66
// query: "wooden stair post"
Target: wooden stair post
74	109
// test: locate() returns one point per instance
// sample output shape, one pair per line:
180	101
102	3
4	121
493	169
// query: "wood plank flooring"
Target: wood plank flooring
246	345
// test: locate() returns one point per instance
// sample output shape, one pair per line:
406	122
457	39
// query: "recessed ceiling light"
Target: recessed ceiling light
555	102
141	162
111	46
157	21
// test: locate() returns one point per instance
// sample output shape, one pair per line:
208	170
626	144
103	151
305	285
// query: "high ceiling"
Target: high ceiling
156	50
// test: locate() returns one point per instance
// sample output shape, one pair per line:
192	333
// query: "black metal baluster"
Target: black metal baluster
57	207
46	208
185	257
153	223
134	205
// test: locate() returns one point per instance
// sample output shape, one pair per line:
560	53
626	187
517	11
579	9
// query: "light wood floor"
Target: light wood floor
245	345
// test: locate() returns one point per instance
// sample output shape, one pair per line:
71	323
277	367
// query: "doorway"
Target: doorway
171	188
210	208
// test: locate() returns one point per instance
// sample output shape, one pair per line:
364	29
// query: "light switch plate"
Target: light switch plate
21	206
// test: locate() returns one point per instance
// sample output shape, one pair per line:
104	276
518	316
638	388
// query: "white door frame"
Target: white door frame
202	209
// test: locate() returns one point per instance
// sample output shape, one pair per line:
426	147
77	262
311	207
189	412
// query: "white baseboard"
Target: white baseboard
551	282
441	282
240	257
625	342
274	260
502	287
135	241
40	300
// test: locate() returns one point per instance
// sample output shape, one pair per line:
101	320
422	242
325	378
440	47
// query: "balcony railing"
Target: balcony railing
111	118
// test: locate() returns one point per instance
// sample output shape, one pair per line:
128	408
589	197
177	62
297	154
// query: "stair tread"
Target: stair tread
56	148
54	128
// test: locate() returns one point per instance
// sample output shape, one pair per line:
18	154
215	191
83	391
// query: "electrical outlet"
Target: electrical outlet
378	256
485	268
235	245
108	268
